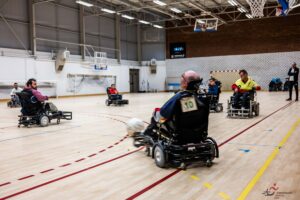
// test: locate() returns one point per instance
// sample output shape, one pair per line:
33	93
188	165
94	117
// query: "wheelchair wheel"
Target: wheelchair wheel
159	157
219	108
44	121
257	109
107	102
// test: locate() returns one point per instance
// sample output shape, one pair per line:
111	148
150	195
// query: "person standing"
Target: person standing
293	81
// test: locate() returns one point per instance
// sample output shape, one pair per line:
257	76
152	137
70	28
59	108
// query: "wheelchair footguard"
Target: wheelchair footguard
243	113
117	102
44	119
167	154
13	104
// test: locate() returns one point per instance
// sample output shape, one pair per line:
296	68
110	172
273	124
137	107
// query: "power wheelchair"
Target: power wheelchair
181	140
238	111
115	99
214	104
38	113
14	102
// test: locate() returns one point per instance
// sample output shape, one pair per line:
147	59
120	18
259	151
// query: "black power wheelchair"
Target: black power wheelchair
214	104
37	113
14	102
115	99
238	111
183	139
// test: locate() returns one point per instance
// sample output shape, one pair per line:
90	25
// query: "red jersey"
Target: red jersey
113	91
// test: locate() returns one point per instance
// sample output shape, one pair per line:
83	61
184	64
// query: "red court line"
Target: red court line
25	177
102	150
65	165
92	155
68	175
178	170
3	184
110	147
48	170
80	160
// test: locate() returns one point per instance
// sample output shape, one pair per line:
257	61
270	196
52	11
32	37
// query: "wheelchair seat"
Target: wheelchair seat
30	105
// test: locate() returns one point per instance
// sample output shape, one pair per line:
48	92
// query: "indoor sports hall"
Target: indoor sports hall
149	99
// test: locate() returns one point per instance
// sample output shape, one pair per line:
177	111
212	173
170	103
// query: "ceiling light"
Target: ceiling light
127	17
176	10
157	26
232	2
144	22
84	3
241	9
201	21
108	11
159	3
249	16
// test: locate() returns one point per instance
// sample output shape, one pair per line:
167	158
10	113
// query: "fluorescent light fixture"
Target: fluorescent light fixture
201	21
84	3
157	26
144	22
176	10
108	11
127	17
249	16
232	2
159	3
241	9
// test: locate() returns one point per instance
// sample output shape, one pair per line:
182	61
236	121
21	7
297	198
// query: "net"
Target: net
257	7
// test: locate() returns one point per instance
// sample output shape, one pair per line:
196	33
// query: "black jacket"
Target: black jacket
295	73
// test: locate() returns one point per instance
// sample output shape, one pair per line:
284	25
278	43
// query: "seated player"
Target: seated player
113	92
189	80
32	102
14	97
213	89
243	88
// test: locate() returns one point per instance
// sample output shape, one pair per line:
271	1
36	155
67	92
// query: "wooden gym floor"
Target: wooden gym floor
90	157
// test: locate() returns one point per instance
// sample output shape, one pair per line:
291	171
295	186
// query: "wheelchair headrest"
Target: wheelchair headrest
194	85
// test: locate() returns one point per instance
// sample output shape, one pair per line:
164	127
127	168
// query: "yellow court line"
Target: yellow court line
196	178
271	157
224	195
207	185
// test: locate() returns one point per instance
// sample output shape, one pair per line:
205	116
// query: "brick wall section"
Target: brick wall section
280	34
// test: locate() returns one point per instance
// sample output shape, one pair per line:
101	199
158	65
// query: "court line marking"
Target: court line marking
224	196
207	185
68	164
68	175
144	190
194	177
40	133
267	163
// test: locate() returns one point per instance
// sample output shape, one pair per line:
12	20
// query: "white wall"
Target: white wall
261	67
22	68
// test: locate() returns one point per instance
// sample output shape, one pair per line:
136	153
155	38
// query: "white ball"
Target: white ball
135	125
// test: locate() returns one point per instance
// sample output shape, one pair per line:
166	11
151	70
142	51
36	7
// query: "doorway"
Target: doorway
134	76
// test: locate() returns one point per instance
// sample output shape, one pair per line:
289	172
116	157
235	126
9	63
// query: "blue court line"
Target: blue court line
42	133
259	145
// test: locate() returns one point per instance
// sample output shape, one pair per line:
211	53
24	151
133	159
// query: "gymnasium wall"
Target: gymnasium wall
16	66
261	67
60	21
268	35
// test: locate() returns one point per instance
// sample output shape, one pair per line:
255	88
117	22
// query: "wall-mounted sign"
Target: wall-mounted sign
177	50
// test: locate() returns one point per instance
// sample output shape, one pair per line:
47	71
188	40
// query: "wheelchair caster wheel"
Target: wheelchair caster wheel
208	163
183	166
44	121
58	121
148	151
159	157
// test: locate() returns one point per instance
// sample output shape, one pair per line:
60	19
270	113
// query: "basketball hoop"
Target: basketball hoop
257	7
